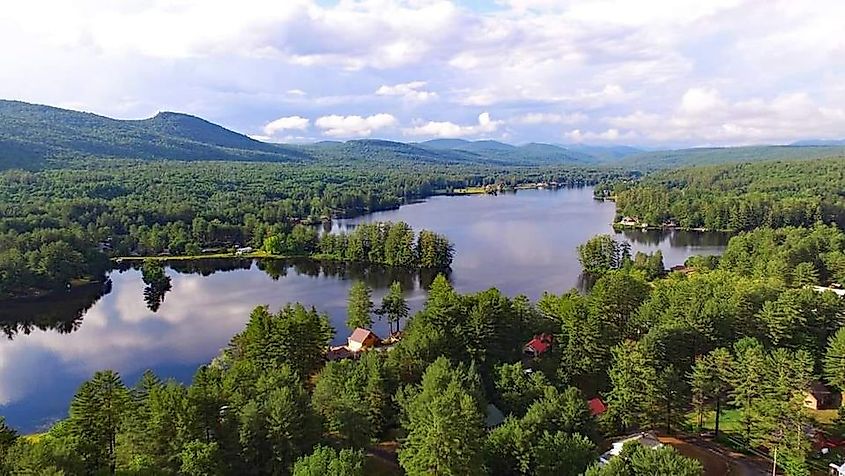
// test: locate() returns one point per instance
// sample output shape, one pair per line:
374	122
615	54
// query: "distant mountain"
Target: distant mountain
721	155
30	133
533	153
609	152
468	146
819	142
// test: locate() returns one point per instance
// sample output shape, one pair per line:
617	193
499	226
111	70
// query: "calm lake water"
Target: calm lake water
521	243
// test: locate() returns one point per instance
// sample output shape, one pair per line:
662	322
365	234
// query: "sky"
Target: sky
651	73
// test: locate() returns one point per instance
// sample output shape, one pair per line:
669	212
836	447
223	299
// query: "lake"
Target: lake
521	243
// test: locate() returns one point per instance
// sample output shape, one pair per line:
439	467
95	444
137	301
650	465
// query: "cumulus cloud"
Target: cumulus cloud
409	91
603	62
534	118
609	135
286	124
354	126
447	129
703	117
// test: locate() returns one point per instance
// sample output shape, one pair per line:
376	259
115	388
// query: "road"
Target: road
718	460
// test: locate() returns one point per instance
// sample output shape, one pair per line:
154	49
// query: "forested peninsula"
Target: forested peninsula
737	197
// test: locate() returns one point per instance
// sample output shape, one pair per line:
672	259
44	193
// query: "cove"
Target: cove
521	243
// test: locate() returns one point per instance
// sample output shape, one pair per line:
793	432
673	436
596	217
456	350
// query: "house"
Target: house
819	397
628	221
361	339
679	268
648	440
339	352
539	345
493	417
597	406
244	251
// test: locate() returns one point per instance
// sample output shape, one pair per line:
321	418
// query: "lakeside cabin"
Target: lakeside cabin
819	397
244	251
539	345
361	339
647	439
629	221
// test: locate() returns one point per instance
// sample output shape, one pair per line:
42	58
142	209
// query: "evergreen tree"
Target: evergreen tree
394	307
834	360
325	461
96	415
442	410
360	306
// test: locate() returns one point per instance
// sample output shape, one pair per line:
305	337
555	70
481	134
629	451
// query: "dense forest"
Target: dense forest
737	197
733	334
58	225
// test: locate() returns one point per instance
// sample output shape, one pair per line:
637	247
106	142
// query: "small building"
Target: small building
647	439
361	339
819	397
339	352
493	417
628	221
539	345
244	251
597	406
679	268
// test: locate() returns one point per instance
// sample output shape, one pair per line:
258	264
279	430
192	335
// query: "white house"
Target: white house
649	440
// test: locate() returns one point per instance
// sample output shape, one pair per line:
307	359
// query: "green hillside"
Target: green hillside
724	155
31	133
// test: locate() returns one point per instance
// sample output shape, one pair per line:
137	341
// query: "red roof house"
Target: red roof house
361	339
539	345
597	406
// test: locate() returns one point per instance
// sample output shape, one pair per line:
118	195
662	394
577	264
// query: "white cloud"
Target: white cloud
286	124
597	60
410	91
354	126
704	117
448	129
534	118
609	135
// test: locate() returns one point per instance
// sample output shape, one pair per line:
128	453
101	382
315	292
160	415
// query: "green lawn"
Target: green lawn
729	422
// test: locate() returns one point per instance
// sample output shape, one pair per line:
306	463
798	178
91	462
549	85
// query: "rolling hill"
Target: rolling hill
32	136
31	133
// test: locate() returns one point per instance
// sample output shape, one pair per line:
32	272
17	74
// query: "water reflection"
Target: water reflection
677	238
60	312
522	244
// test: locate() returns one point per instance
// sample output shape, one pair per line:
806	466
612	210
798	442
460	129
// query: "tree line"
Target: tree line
60	223
738	197
729	335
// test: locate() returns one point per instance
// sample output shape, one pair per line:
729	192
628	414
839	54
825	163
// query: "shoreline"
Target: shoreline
617	226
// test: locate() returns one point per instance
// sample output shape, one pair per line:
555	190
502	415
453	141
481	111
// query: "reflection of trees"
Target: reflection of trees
61	312
154	293
207	267
375	276
677	238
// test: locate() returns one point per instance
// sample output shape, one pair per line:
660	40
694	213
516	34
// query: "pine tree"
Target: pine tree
96	415
360	306
393	306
